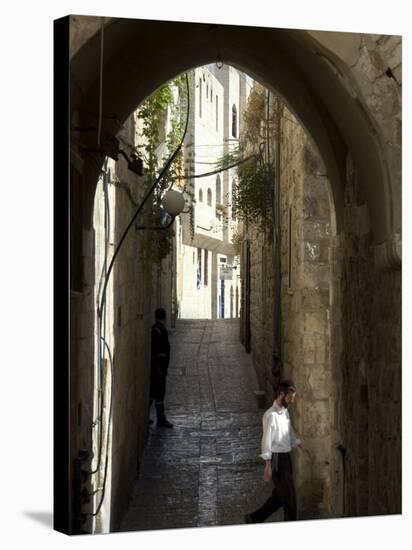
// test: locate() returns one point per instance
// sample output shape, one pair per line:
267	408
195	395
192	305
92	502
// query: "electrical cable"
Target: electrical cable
217	171
104	170
101	328
94	514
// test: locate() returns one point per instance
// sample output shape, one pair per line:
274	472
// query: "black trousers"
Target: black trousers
157	385
283	494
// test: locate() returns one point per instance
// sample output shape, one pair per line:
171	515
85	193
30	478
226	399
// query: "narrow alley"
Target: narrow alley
255	197
206	470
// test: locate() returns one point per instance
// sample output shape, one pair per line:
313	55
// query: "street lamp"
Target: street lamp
172	205
173	202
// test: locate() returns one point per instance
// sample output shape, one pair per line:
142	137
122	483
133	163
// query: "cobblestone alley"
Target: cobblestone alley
206	470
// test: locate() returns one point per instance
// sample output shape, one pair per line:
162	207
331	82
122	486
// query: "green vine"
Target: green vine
252	198
168	103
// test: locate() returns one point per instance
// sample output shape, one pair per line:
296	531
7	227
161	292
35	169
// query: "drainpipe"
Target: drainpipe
277	361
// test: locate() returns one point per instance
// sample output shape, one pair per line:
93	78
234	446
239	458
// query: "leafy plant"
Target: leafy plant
233	156
237	240
168	101
252	195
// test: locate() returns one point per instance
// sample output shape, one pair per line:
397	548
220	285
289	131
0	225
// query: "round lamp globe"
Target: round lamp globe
173	202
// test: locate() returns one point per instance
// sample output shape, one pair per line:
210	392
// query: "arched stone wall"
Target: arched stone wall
317	86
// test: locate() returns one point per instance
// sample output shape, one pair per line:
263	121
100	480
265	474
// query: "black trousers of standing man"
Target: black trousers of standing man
157	384
283	494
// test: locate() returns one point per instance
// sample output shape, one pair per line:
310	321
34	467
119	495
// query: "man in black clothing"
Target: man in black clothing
160	356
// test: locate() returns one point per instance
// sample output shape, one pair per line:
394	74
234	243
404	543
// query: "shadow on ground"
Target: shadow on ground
44	518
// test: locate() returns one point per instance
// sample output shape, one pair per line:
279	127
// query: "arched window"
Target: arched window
218	190
217	113
200	195
209	197
234	121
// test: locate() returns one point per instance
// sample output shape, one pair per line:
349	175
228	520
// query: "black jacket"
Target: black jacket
160	350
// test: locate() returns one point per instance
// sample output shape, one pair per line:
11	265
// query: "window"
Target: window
218	190
209	197
206	268
200	97
200	195
217	113
234	121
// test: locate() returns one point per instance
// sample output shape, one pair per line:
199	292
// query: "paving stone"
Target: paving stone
206	471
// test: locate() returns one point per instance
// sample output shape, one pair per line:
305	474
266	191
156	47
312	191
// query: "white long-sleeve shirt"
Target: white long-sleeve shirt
278	434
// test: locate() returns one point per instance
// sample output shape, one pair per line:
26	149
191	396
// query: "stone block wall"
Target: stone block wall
133	293
306	220
370	362
132	316
82	353
262	308
341	337
378	73
306	231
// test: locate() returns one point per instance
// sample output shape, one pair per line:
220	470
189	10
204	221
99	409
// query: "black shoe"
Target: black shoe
248	518
164	423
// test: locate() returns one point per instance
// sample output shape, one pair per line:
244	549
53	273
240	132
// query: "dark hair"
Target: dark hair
286	386
160	314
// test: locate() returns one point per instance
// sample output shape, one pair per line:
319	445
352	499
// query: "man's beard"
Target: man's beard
284	403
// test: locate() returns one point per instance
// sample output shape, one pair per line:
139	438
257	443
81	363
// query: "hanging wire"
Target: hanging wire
94	514
218	170
101	321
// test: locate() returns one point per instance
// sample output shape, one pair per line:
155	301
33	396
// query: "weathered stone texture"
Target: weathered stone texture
131	297
305	307
131	338
368	352
378	73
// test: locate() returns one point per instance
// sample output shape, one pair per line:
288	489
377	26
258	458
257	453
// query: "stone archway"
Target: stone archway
316	85
314	78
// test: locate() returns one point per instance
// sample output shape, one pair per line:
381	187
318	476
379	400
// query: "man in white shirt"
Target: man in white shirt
277	441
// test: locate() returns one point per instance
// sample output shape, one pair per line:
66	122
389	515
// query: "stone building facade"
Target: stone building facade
208	274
